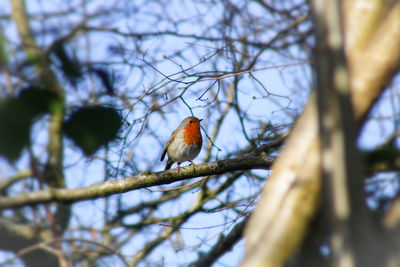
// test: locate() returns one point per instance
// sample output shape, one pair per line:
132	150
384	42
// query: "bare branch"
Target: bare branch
143	180
224	244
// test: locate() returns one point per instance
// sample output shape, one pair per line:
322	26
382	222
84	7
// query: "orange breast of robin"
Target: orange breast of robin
192	134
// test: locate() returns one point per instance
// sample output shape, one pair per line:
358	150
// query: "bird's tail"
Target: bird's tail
169	164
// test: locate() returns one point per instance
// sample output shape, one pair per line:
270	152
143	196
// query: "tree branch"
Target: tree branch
142	180
222	246
53	173
16	237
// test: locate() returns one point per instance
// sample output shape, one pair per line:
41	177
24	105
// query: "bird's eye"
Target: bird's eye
190	121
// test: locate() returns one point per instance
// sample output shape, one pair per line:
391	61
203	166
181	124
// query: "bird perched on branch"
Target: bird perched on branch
184	143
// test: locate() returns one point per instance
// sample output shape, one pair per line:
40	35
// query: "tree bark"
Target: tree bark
290	196
142	180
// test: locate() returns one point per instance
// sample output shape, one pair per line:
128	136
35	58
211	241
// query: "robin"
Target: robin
184	144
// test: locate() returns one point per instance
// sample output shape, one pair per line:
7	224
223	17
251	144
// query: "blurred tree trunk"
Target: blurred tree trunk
290	197
349	228
52	174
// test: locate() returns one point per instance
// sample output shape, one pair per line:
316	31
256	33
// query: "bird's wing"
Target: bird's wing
169	142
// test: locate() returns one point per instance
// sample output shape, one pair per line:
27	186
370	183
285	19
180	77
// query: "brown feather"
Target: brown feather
169	164
169	142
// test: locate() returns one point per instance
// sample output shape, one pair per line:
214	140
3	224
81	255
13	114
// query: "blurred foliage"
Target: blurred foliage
92	127
88	127
385	157
105	79
17	115
69	66
3	52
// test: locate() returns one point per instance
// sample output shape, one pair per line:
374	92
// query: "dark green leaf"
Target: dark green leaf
3	51
105	79
15	122
16	118
92	127
38	100
70	66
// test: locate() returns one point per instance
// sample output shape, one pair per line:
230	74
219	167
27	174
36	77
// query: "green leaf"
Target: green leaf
15	123
16	118
92	127
39	100
3	51
105	79
69	65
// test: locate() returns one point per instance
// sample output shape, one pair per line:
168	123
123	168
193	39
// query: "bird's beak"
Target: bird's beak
200	120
